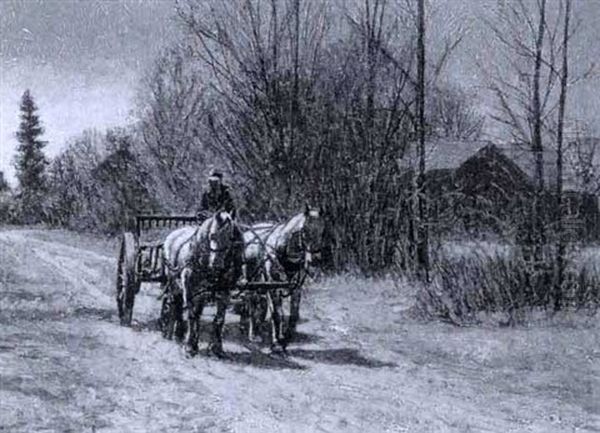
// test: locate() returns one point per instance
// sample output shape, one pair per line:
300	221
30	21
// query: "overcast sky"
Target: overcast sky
82	59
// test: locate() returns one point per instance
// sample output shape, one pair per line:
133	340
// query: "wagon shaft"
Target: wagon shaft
265	285
262	287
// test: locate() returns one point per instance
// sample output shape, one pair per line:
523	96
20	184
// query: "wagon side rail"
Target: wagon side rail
149	221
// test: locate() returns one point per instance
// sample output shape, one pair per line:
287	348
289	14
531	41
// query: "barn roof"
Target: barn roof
490	167
451	154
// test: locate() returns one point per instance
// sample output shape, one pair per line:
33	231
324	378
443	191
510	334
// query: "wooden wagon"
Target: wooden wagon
142	262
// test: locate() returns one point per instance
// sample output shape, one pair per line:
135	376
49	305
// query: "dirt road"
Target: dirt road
360	364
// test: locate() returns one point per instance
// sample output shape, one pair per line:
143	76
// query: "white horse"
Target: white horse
285	251
205	262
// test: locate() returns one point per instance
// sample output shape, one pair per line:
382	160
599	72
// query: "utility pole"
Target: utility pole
423	229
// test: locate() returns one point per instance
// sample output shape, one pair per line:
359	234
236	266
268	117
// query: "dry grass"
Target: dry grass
466	288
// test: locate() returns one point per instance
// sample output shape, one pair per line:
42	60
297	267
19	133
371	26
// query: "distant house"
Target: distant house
481	187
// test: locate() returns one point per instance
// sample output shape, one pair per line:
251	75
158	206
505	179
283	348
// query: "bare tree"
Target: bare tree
453	114
527	36
302	115
98	183
171	111
536	42
260	69
72	190
564	77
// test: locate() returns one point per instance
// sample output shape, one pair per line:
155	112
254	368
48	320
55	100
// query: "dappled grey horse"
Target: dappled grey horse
205	263
284	252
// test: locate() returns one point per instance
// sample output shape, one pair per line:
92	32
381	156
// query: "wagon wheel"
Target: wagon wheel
127	282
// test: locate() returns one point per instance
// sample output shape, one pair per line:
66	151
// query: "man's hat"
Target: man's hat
216	175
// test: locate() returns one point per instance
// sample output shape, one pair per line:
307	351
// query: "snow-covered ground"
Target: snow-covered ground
361	363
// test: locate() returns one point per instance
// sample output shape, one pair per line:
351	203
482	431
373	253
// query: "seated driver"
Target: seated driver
216	197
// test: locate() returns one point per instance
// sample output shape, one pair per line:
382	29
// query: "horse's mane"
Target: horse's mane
289	228
282	233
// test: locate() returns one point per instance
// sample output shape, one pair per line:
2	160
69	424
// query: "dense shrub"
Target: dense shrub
462	288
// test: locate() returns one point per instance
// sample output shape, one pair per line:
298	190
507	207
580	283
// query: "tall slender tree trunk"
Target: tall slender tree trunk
561	246
423	230
294	102
536	144
296	83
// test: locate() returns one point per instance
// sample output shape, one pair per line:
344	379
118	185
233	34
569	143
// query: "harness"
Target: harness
303	243
296	257
207	279
263	244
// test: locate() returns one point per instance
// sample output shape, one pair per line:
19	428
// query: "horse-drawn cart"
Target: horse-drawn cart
142	261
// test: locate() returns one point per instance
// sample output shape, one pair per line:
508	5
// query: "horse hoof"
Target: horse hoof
216	351
254	339
190	352
277	349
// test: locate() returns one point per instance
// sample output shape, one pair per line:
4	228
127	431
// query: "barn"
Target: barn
480	187
581	167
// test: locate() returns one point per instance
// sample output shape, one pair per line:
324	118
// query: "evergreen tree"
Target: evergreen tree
30	162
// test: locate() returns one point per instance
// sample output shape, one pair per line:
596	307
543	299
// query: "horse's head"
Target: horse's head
312	235
221	239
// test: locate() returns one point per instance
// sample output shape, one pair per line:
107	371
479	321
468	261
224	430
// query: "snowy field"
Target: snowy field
361	362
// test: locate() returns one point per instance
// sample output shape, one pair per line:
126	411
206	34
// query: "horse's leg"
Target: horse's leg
244	273
257	311
295	299
243	310
216	342
250	311
271	313
268	269
179	324
193	324
278	304
199	308
190	313
276	319
166	317
171	309
247	323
